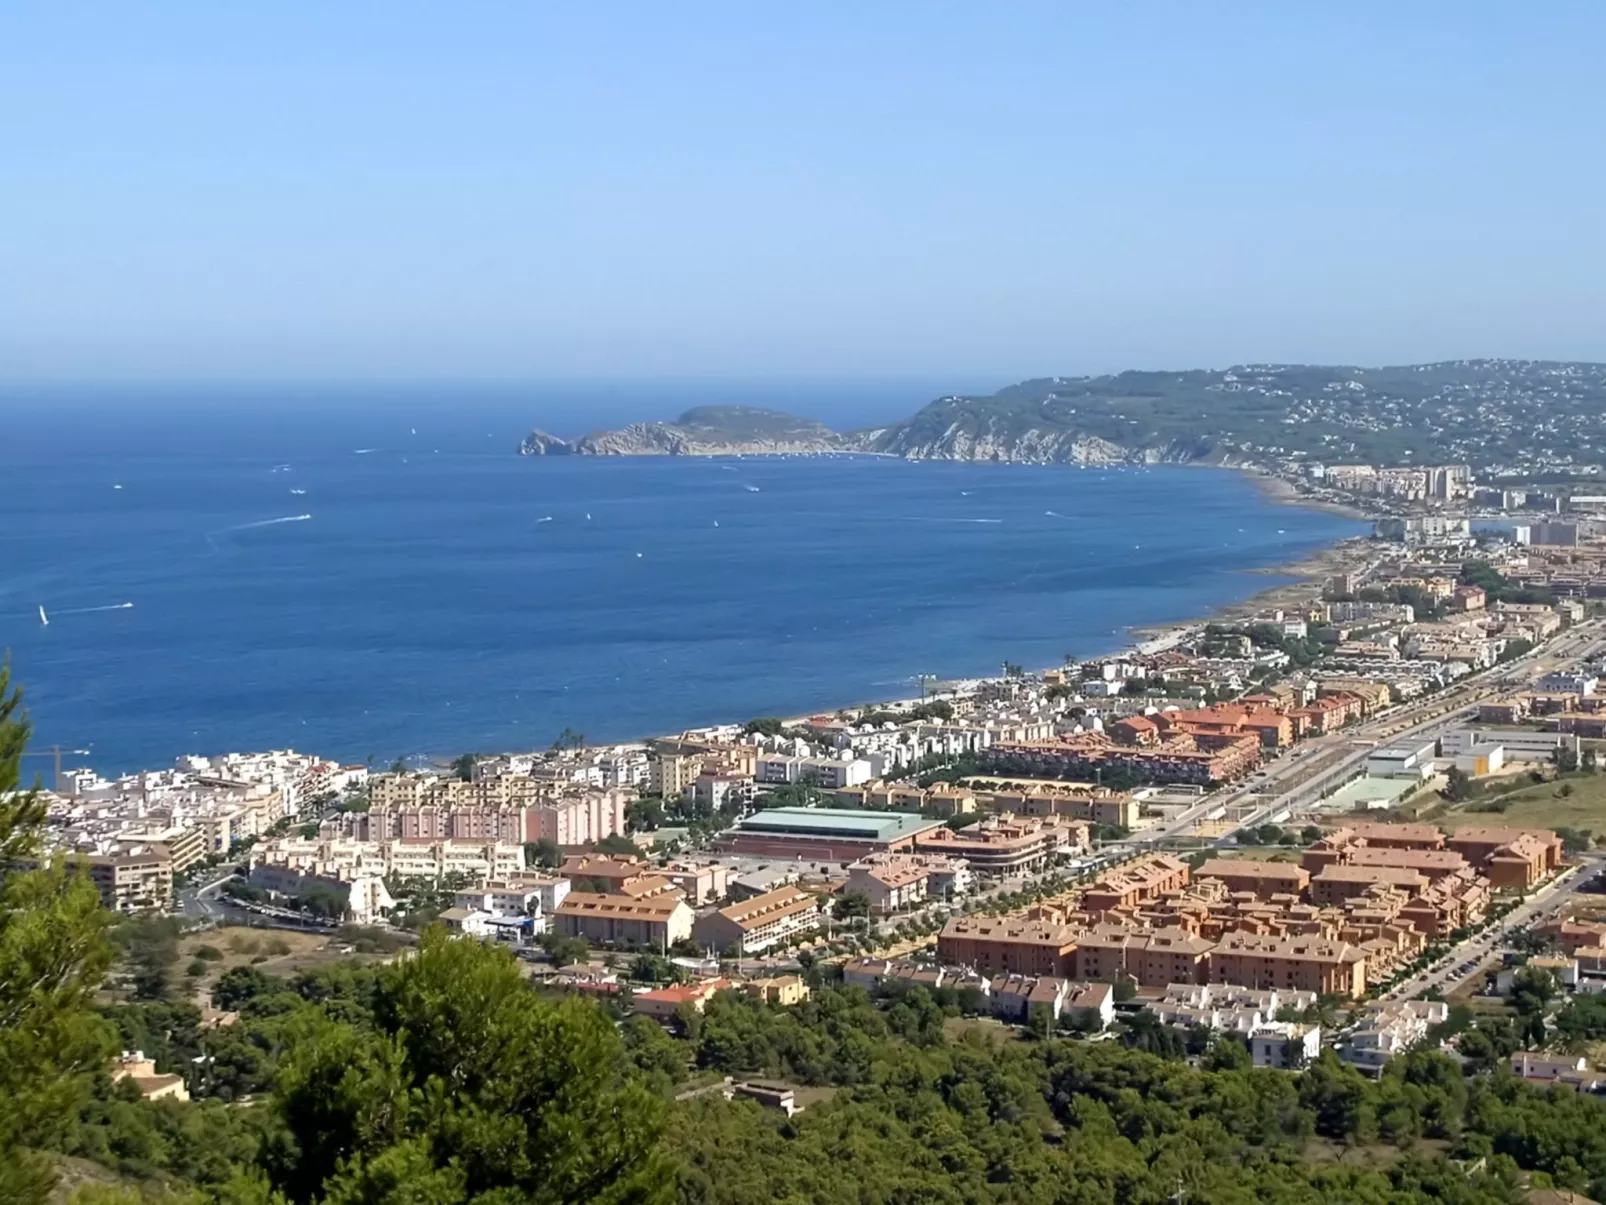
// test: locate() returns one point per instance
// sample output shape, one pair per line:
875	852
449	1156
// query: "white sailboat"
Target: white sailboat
44	620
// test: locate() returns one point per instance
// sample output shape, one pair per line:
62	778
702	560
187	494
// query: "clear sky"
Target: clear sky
520	190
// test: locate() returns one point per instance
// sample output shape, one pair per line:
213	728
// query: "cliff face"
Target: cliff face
1005	428
539	443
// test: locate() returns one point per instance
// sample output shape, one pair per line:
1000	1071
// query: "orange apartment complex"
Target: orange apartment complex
1136	883
1202	759
1260	879
1368	898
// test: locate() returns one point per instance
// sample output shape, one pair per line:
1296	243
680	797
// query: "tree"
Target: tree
764	725
1309	835
568	739
463	766
53	954
469	1086
852	904
1532	990
644	815
399	766
1125	989
618	844
1457	785
1591	760
1566	759
544	852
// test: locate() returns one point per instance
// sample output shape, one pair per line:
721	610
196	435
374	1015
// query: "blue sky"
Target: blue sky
508	191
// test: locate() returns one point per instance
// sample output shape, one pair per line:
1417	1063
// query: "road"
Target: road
1447	974
1297	781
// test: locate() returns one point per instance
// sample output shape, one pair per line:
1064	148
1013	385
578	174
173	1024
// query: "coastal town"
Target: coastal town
1300	823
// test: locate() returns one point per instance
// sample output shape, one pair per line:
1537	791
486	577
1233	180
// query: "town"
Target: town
1299	826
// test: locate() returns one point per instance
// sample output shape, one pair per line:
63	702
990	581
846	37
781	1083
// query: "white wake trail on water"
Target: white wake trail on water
940	519
269	522
122	606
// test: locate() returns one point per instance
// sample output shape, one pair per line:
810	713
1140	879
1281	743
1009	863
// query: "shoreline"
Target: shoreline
1308	574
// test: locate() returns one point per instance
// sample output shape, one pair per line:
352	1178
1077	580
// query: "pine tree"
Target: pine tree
53	955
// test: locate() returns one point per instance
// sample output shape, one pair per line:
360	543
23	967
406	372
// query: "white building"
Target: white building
1286	1044
1391	1029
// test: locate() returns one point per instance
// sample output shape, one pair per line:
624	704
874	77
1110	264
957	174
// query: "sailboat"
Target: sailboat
44	620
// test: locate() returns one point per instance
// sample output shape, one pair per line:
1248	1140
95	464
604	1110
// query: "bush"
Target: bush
196	969
208	953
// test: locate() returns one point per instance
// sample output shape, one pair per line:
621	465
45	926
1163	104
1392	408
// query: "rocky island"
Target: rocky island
701	431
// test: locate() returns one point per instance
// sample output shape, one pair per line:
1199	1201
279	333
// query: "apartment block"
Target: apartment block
656	921
1309	964
1260	879
755	925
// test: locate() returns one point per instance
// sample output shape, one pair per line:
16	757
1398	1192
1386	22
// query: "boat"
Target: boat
44	620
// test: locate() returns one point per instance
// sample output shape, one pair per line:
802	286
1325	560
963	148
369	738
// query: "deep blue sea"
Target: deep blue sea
307	571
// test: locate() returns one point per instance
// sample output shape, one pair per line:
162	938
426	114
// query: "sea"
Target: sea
375	572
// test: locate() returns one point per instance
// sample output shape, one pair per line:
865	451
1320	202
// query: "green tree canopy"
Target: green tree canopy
53	954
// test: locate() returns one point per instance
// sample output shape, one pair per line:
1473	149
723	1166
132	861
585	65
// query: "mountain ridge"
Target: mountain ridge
1489	413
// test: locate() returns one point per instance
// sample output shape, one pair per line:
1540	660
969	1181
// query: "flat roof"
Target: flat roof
836	822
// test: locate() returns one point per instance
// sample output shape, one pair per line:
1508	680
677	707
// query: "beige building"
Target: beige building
132	1065
655	920
759	923
135	877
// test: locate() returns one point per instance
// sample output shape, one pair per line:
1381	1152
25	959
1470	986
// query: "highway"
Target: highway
1298	780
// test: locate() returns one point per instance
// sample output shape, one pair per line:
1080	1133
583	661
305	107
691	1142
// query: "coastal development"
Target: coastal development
1321	833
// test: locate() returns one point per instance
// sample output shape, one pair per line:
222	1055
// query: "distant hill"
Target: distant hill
1524	416
700	431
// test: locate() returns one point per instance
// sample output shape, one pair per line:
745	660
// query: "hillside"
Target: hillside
1488	413
700	431
1522	416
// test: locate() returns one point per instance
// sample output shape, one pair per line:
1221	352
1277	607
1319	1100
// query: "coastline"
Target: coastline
1309	574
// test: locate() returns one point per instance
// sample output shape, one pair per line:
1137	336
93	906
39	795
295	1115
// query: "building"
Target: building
135	877
1005	844
893	882
657	921
133	1066
1001	945
1136	883
1312	964
1050	797
824	834
783	991
1199	759
755	925
1517	746
664	1003
1260	879
1338	882
700	882
1288	1045
1560	1071
1513	859
1390	1029
827	773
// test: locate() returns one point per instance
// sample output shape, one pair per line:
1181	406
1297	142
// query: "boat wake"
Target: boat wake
269	522
122	606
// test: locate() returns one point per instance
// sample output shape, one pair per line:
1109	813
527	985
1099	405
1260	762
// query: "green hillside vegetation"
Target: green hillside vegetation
750	422
1480	412
445	1078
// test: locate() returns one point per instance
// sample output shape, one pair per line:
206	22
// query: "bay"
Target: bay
446	594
